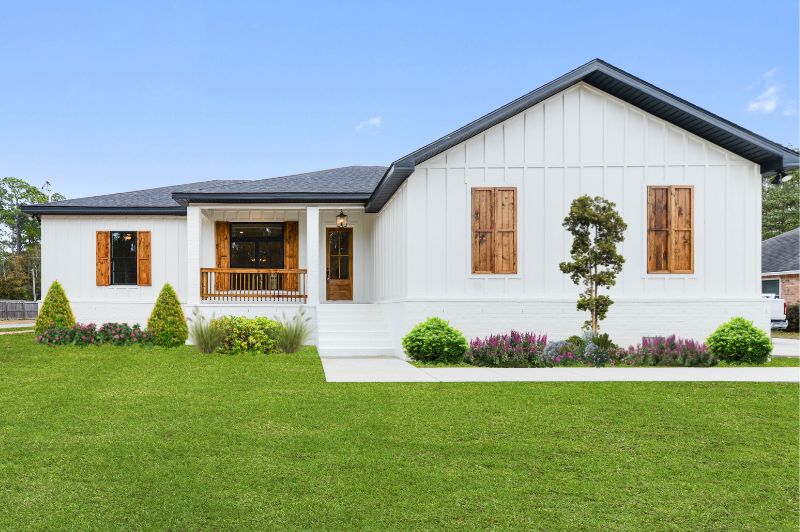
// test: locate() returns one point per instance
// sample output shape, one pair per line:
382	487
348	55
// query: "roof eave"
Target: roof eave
39	210
185	198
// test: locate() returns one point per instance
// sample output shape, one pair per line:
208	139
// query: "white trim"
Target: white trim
788	272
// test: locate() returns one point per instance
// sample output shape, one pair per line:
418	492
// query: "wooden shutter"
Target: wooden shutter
103	258
682	238
143	267
657	229
482	230
291	253
670	229
222	232
505	230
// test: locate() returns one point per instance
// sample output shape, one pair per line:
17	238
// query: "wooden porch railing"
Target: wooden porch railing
252	284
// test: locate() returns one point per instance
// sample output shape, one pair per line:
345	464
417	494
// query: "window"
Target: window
494	230
771	286
123	257
670	229
256	245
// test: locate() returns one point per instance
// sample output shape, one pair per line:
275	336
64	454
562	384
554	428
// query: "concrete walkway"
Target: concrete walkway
397	370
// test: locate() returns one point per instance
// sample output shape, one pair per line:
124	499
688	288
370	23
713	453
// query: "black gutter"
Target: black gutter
38	210
185	198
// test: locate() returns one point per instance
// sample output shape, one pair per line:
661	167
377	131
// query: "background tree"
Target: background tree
596	229
780	205
20	229
20	236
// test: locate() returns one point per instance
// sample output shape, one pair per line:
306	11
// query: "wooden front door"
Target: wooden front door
339	263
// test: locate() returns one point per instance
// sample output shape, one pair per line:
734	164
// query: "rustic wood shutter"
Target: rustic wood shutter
103	258
505	230
222	231
143	267
670	229
482	230
682	238
291	253
658	229
494	230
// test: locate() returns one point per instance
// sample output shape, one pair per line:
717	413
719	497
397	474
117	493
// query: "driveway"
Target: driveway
785	347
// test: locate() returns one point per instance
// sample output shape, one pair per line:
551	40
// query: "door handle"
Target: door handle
327	274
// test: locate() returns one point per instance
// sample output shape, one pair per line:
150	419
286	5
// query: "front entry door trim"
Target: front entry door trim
339	263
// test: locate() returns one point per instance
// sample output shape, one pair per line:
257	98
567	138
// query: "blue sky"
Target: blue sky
101	97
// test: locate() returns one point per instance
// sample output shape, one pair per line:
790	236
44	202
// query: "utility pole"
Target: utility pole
33	282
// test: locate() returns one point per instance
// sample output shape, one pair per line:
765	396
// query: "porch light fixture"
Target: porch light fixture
341	219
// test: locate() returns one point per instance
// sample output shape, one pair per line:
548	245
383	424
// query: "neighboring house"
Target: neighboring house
780	266
467	228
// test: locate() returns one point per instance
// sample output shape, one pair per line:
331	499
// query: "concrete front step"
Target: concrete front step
352	330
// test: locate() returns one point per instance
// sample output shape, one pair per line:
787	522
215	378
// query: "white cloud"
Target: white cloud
769	98
766	102
372	122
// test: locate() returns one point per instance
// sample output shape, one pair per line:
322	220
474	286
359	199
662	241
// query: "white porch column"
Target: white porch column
312	254
194	218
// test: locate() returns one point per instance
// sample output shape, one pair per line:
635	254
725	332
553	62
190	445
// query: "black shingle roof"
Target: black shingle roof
355	181
781	253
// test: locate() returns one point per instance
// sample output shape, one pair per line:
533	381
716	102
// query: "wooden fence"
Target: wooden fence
18	310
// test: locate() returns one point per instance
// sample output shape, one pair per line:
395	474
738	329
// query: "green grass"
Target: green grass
150	438
786	334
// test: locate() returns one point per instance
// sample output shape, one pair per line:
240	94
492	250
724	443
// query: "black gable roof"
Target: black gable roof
781	253
771	156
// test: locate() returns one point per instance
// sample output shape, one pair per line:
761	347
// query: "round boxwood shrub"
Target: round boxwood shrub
740	341
56	311
167	322
434	340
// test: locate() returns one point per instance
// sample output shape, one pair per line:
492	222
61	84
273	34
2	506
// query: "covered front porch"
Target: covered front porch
274	254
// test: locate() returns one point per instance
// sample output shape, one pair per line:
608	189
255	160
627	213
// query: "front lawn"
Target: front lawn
106	437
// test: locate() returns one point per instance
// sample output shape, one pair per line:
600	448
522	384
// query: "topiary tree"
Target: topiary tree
740	341
434	340
167	322
56	311
596	229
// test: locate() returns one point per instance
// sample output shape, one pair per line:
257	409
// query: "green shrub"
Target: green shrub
167	322
207	336
740	341
243	335
793	317
434	340
294	332
56	311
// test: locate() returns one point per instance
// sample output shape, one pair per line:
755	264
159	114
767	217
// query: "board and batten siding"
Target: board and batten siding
69	255
580	141
390	244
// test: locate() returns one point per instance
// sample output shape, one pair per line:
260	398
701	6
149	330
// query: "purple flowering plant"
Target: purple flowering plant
669	351
513	350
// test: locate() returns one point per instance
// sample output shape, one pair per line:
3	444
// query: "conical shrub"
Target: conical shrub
56	311
167	322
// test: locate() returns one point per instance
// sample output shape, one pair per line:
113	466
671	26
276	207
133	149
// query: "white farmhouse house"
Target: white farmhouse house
467	228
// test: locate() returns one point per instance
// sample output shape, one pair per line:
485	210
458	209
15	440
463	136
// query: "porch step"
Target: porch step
352	330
